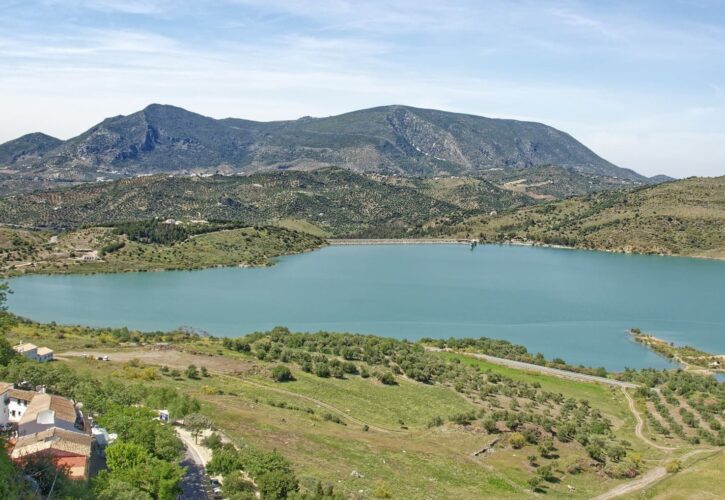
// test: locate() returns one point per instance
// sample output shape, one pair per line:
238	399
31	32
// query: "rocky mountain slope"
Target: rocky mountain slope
391	139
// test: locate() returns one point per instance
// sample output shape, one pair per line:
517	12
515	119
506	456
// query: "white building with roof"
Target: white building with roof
32	351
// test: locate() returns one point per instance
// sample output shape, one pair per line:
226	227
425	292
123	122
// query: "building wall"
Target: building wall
16	409
4	408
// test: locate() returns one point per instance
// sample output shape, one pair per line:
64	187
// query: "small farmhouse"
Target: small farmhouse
31	351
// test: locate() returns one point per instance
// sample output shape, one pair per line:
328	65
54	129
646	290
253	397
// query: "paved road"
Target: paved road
195	485
519	365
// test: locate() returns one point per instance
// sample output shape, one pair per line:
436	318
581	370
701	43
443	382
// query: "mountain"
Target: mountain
26	149
684	217
396	139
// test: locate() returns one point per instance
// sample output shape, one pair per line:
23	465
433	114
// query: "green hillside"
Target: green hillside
684	217
337	201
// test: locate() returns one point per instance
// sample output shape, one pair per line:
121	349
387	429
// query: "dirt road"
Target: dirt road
647	479
519	365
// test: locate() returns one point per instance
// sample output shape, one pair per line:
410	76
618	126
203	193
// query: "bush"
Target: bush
673	466
192	373
435	422
281	373
387	378
212	441
517	440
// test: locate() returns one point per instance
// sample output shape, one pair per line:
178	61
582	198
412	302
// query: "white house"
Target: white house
45	354
18	401
31	351
27	349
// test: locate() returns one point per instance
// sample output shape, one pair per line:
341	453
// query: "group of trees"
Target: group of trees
270	472
143	461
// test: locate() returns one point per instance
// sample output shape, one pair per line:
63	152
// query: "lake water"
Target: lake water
564	303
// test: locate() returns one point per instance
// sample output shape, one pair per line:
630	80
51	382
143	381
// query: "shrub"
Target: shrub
192	373
673	466
517	440
435	422
387	378
281	373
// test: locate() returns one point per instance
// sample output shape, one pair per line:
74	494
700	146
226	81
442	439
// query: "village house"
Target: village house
18	401
48	425
31	351
68	449
46	411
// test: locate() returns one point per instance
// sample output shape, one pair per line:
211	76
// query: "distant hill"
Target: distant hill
685	217
26	149
336	201
391	139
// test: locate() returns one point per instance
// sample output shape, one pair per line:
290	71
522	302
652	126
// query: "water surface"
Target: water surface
564	303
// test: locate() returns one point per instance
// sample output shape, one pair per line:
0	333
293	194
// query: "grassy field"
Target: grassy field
700	481
357	433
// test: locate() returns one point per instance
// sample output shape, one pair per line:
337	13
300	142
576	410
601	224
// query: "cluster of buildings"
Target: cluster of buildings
46	425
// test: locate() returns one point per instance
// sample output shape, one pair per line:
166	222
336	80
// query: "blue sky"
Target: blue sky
640	82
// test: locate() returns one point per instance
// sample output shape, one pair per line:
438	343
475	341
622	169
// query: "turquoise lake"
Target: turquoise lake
563	303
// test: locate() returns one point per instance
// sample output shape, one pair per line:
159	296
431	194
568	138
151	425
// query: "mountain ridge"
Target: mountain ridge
395	139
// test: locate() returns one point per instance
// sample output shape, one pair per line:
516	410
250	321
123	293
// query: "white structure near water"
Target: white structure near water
32	351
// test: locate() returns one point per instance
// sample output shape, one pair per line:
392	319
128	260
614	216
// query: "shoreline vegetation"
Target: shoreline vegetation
149	246
692	359
99	250
382	416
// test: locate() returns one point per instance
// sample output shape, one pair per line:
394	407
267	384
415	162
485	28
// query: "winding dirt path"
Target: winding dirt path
647	479
640	425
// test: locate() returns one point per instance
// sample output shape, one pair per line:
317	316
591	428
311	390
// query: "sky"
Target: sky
642	83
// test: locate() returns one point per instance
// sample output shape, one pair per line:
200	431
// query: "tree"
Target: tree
122	455
9	484
224	460
281	373
517	440
197	423
546	447
276	484
235	483
115	489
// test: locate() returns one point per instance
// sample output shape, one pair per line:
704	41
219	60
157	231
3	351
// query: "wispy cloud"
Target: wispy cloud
603	72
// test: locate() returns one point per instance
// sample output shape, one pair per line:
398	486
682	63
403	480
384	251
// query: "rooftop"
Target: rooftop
25	347
63	409
20	394
44	350
53	438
